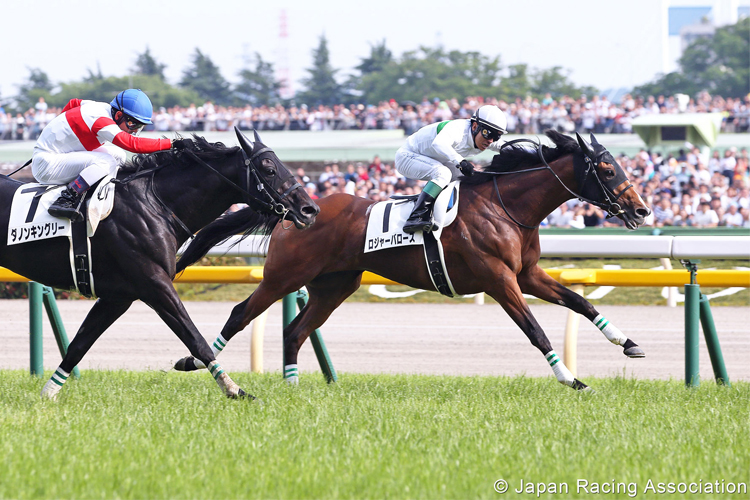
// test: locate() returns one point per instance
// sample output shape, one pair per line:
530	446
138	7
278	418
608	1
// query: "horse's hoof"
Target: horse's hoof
634	352
580	386
243	395
186	364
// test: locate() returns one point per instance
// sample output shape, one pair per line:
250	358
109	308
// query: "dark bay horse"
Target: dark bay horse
161	200
492	247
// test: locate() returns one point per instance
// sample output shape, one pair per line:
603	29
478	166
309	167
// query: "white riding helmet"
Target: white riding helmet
492	117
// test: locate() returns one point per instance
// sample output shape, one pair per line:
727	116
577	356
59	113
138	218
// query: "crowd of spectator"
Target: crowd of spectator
525	116
688	189
684	190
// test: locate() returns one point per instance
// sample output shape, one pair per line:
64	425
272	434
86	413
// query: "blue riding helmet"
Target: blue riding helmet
134	103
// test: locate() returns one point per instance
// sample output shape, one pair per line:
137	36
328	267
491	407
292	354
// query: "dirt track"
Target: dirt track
401	338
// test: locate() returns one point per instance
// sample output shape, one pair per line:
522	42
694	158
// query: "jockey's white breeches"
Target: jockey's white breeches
61	168
416	166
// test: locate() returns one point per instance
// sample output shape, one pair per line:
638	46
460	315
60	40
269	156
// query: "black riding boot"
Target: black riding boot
67	205
421	217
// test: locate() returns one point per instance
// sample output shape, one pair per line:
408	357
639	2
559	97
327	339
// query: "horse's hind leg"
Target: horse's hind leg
539	284
327	292
101	317
241	316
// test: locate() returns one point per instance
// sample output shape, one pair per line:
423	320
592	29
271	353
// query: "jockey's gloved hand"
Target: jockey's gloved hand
178	145
466	168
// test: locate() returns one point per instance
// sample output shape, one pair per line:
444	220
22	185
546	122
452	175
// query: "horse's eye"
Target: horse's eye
609	174
268	167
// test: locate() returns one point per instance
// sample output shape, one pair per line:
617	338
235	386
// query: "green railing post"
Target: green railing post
36	354
53	313
324	359
712	342
288	312
692	322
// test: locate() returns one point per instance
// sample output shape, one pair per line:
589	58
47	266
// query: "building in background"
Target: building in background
683	21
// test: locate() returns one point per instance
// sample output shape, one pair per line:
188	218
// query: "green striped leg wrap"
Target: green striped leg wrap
291	374
54	384
60	376
215	368
561	371
610	331
219	344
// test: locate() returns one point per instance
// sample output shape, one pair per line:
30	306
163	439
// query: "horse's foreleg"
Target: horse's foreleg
326	294
508	294
539	284
101	317
162	298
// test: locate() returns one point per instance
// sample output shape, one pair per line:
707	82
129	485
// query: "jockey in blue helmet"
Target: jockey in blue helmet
86	142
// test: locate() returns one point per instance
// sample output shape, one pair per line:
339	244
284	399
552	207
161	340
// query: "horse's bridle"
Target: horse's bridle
272	199
609	205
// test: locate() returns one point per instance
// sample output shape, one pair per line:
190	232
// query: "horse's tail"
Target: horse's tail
245	222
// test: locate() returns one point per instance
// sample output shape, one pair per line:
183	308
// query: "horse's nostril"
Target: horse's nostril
643	212
310	210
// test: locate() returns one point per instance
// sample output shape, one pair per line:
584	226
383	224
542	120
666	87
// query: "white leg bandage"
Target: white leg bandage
561	371
609	330
54	384
291	374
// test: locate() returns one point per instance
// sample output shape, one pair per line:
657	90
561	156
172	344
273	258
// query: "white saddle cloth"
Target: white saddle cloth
30	220
385	225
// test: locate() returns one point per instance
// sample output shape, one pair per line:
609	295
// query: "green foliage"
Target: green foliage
556	81
117	434
105	89
258	86
145	64
321	87
204	78
435	72
36	85
718	65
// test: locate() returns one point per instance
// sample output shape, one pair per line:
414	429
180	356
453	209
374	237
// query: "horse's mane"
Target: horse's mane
199	145
518	156
245	222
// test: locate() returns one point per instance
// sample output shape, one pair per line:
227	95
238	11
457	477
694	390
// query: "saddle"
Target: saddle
385	230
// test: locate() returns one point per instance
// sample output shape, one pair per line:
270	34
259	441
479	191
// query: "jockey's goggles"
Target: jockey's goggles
132	124
489	134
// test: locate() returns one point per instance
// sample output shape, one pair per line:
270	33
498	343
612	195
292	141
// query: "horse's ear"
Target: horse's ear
257	137
594	141
245	143
587	150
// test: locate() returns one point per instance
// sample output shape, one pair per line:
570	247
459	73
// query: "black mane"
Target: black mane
518	156
199	145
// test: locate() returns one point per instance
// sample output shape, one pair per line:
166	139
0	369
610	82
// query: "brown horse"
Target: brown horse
492	247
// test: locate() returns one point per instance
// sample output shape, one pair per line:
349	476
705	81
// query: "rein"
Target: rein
609	205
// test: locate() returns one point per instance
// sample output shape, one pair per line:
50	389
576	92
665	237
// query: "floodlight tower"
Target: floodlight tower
282	60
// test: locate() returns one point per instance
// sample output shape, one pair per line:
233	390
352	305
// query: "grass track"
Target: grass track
118	434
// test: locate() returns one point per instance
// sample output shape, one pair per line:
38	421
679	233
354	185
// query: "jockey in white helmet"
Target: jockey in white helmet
85	143
437	152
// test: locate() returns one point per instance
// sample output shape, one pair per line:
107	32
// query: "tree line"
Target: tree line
718	65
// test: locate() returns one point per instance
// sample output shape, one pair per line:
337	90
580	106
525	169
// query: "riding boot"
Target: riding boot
421	217
68	205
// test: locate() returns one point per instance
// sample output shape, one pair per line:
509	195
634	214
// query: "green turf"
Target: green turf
172	435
